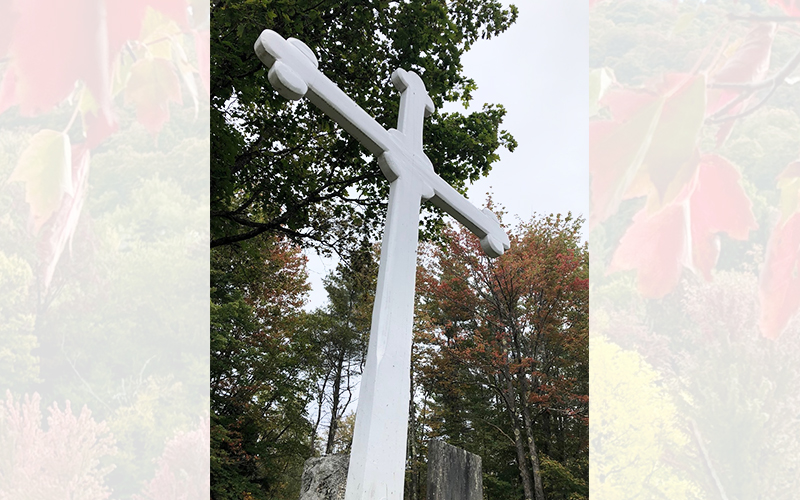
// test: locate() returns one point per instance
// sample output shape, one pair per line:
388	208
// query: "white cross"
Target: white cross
377	459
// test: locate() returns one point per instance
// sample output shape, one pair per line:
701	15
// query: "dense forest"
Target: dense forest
103	248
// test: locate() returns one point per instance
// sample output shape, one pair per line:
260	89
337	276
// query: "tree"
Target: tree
283	173
509	348
283	168
19	366
342	335
261	357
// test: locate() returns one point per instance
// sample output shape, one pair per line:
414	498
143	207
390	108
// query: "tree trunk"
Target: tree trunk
525	474
547	430
526	415
320	400
533	452
511	403
337	389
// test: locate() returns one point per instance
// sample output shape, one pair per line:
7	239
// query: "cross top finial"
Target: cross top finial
415	106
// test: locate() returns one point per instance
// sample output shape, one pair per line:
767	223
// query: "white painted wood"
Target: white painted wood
377	460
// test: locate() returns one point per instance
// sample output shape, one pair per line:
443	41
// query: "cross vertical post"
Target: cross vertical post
378	453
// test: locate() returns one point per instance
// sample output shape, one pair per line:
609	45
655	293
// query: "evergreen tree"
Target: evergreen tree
343	335
259	371
282	174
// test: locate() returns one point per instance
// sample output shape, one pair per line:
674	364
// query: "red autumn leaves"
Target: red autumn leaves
52	45
791	7
91	55
650	145
685	232
779	290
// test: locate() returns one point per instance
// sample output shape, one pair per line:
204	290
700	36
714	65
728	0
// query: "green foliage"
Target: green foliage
764	145
261	352
341	331
103	269
281	167
351	290
282	172
564	480
105	331
638	39
18	366
142	423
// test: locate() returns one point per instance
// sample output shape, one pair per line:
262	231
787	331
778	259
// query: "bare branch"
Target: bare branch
748	111
764	19
498	429
749	89
706	459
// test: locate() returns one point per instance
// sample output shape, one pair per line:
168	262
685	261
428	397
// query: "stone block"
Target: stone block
453	473
324	478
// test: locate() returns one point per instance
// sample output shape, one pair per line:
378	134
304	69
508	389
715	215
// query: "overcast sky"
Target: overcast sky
538	70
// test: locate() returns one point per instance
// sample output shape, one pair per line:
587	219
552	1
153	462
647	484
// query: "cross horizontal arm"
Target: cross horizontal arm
293	72
482	223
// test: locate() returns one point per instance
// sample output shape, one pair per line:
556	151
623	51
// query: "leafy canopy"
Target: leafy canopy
283	167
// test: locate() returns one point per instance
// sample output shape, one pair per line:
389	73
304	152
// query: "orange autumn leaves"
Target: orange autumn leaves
651	144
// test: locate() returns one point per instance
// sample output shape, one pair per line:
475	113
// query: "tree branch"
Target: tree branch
748	89
748	111
764	19
498	429
277	224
